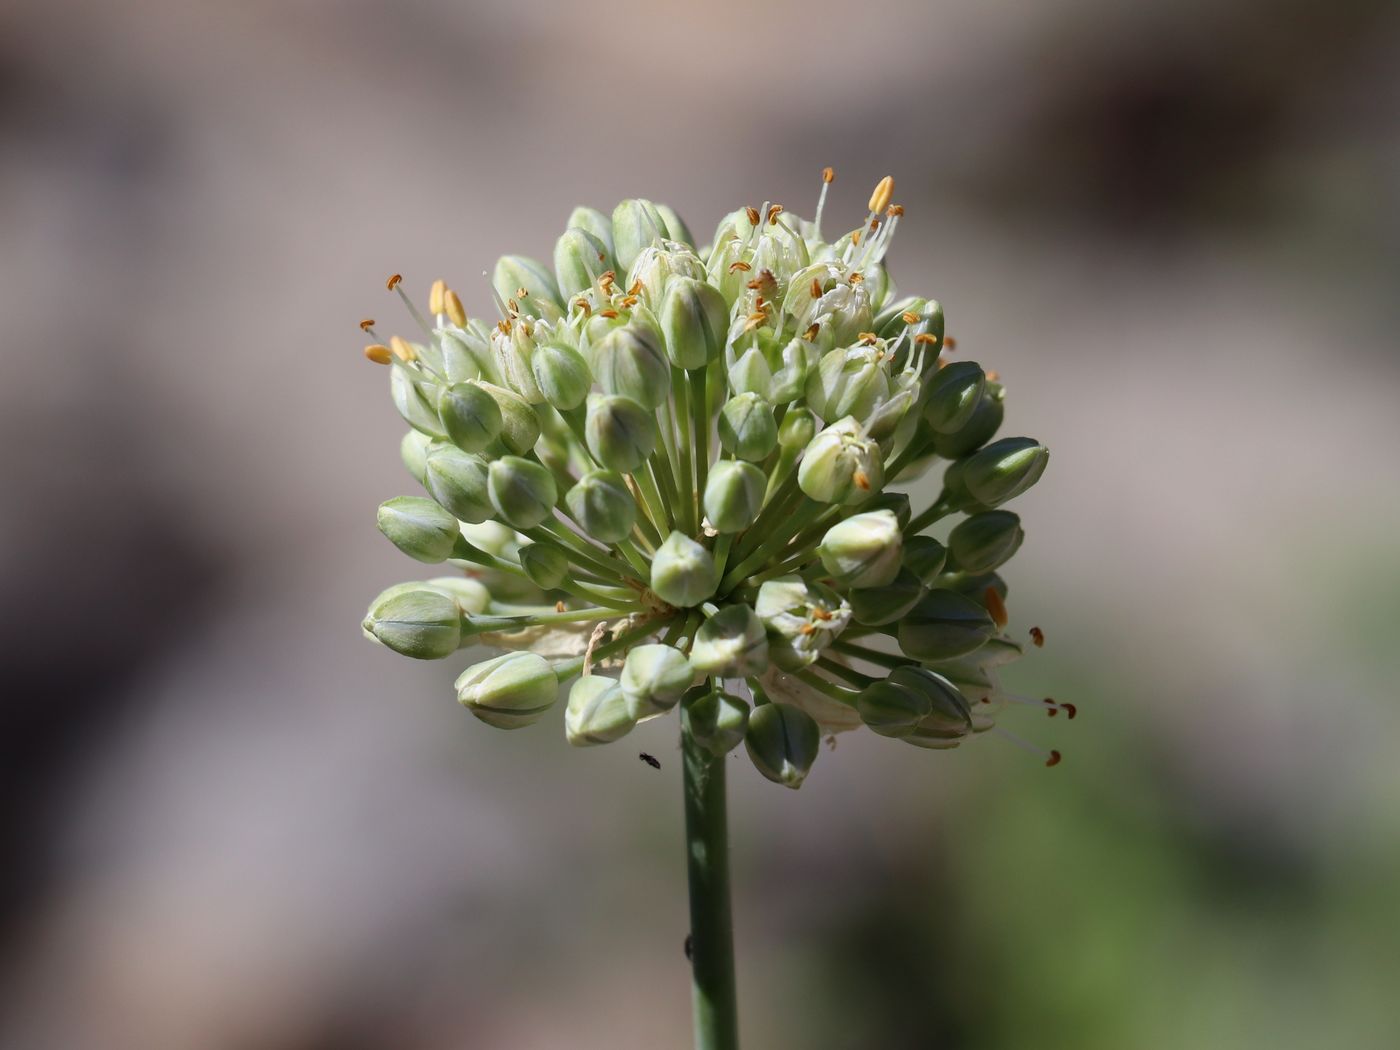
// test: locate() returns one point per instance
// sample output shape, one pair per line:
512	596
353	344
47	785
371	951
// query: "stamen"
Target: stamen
909	317
610	314
1052	706
926	340
435	294
862	481
367	324
856	277
393	281
1052	757
993	375
583	303
522	293
895	211
855	238
452	306
402	350
636	287
378	353
740	265
884	190
753	215
868	338
949	343
996	607
816	288
828	177
559	606
773	213
812	331
1037	637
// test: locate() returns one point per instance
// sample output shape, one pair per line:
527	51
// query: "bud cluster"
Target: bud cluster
667	477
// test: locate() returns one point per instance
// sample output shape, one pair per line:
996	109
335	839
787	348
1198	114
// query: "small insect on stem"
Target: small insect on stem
1037	637
650	760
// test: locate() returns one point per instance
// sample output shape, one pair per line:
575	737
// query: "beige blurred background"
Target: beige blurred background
230	823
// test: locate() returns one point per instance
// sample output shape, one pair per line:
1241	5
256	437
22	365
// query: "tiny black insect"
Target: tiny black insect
650	760
689	946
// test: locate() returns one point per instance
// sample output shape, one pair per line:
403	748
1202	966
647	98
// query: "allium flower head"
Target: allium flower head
670	475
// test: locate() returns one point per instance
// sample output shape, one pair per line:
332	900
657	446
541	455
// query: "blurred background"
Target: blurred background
228	822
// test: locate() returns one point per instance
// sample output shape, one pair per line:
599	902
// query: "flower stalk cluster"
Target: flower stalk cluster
668	475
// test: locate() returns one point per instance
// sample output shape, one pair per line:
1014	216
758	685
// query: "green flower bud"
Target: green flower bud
683	572
801	619
472	596
986	540
883	423
545	564
841	465
654	678
591	220
630	362
798	428
514	272
658	266
751	373
416	402
636	224
747	428
895	502
621	434
944	625
417	621
799	360
579	258
419	528
950	716
1004	470
458	481
730	644
522	492
597	712
603	506
509	691
848	383
470	416
520	427
694	319
864	550
891	709
977	431
413	450
716	720
562	375
734	495
874	606
676	229
782	741
924	556
951	396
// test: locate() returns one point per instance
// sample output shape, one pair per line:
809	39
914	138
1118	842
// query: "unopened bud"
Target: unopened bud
579	258
683	572
841	465
848	382
419	527
562	375
603	506
986	540
874	606
522	492
413	450
514	272
416	621
891	709
864	550
747	428
654	678
951	396
1004	470
636	224
597	712
694	319
730	644
416	402
751	374
676	229
470	416
591	220
944	625
782	741
716	721
545	564
621	433
458	481
798	428
978	430
520	427
509	691
629	361
925	557
734	494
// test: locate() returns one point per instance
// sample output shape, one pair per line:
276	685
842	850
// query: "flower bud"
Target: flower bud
520	427
419	528
986	540
895	502
416	621
884	422
621	434
602	505
730	644
413	450
924	556
470	416
636	224
950	716
734	494
799	360
801	619
747	428
591	220
472	596
657	266
654	678
630	362
944	625
841	465
751	373
597	712
509	691
562	375
1004	470
978	430
864	550
951	396
514	272
798	428
579	257
458	481
676	229
694	319
522	492
892	709
716	721
874	606
683	572
848	382
545	564
415	400
782	741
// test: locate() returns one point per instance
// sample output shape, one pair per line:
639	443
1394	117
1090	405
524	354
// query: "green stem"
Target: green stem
700	434
686	467
711	926
919	522
871	656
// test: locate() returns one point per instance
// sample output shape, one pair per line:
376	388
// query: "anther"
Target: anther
636	288
753	215
610	314
402	350
378	353
884	189
855	238
812	331
895	210
816	288
435	293
868	338
806	628
875	223
583	304
393	281
925	339
367	324
862	481
452	306
821	614
909	317
740	265
628	301
773	213
522	293
828	175
559	606
993	375
1037	637
1053	760
996	607
950	343
856	277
